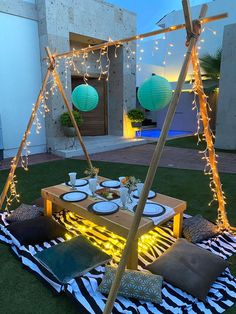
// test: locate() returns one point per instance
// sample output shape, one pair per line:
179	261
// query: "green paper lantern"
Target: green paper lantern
85	97
155	93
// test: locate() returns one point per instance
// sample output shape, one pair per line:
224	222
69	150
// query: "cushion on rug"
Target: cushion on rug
36	231
189	268
197	229
72	258
134	284
24	212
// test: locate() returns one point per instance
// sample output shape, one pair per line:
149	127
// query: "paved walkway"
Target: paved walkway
33	160
172	157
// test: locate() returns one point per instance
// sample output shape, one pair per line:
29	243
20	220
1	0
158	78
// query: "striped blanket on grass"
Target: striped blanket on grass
83	289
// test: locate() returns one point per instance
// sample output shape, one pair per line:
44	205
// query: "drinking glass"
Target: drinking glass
123	196
72	176
93	185
139	188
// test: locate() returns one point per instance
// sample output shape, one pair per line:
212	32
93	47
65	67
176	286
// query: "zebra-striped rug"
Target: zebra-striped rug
221	296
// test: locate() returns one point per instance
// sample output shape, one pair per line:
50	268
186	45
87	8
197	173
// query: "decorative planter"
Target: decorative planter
136	124
69	131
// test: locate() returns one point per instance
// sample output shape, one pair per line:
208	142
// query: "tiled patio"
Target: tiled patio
173	157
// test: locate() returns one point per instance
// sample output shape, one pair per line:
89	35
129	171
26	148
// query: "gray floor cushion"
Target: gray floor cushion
72	258
189	268
35	231
197	229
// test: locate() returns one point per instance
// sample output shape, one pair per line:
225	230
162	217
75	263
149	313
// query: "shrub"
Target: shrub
136	115
66	121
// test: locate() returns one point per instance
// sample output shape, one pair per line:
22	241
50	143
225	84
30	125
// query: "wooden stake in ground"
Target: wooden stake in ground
63	94
151	174
16	159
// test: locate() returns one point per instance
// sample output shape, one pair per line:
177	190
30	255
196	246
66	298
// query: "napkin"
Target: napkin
156	220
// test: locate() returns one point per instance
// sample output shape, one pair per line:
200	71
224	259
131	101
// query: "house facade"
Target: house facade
164	55
62	26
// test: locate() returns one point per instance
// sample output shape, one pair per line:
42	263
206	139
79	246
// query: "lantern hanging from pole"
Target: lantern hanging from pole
85	97
155	93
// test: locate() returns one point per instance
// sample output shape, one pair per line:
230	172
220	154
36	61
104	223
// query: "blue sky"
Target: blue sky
150	11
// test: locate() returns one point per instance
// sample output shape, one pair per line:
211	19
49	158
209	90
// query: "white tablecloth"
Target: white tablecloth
156	220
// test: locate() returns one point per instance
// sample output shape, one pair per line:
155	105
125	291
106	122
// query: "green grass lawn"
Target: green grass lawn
22	293
191	142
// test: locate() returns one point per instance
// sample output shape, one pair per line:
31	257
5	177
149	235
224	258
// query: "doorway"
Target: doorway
95	121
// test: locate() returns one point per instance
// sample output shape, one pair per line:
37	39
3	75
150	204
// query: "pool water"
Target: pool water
155	133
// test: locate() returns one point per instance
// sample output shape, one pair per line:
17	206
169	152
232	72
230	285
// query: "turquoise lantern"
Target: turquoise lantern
155	93
85	97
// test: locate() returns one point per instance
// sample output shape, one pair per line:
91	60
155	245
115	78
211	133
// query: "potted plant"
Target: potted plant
67	125
136	116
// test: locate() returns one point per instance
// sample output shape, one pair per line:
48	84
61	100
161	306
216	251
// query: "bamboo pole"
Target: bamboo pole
61	89
141	36
16	159
150	177
222	215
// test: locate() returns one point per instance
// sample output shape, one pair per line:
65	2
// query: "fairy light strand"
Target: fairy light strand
209	155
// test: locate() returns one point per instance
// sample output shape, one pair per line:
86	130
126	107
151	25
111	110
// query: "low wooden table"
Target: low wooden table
119	222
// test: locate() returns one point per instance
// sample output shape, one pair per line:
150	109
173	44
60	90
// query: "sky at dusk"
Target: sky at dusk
150	11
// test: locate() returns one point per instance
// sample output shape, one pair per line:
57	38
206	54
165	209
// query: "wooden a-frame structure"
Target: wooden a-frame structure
193	29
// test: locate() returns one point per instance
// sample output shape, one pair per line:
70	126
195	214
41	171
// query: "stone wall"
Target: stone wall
19	8
99	20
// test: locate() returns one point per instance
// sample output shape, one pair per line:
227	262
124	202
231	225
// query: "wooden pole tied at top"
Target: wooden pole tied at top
17	157
222	215
68	106
136	37
152	169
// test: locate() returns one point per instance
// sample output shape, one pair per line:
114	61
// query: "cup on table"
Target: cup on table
139	188
72	176
123	196
121	179
93	185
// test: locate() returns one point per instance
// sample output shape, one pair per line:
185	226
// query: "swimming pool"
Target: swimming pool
155	133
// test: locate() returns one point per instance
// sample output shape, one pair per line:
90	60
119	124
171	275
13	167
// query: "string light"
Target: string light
116	47
12	193
211	30
25	156
209	155
202	117
106	240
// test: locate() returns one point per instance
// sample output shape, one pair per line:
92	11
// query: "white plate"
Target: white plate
74	196
152	210
79	182
151	194
104	207
110	184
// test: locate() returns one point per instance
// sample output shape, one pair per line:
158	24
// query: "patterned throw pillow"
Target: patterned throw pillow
24	212
134	284
197	229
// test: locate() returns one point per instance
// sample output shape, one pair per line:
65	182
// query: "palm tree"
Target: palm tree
210	64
